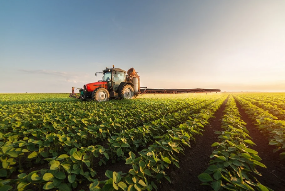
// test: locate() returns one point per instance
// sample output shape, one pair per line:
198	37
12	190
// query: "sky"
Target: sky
51	46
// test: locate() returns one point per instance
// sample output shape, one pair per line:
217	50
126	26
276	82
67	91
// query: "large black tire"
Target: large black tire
100	94
82	95
127	92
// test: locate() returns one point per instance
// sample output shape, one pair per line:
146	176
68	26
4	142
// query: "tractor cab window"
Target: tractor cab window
119	77
107	76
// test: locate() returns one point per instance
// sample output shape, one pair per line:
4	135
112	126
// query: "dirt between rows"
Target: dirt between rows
274	175
196	159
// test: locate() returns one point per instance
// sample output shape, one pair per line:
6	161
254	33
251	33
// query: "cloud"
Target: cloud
66	76
48	72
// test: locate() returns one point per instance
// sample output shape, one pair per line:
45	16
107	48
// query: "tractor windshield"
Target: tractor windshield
107	76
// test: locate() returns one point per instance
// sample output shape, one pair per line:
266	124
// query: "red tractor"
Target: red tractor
116	83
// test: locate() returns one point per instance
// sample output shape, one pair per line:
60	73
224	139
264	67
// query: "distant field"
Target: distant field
53	142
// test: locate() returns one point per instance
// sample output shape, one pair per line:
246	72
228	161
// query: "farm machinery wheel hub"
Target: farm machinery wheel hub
128	94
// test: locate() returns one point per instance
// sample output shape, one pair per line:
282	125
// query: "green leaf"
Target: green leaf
13	154
132	155
25	151
64	187
3	173
250	151
166	159
22	185
54	165
5	164
35	177
116	177
129	161
259	164
217	175
273	142
141	182
249	142
5	149
77	155
48	186
131	188
5	188
106	155
129	180
147	172
66	167
44	154
123	185
142	164
120	152
72	151
125	145
137	188
87	162
134	179
212	168
22	175
215	144
59	175
205	177
221	158
63	156
246	155
56	182
33	155
167	178
216	185
109	174
71	178
262	187
48	176
94	186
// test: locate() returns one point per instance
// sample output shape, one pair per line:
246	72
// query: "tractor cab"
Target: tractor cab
114	77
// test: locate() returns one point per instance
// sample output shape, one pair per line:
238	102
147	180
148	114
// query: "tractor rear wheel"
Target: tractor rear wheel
127	92
100	94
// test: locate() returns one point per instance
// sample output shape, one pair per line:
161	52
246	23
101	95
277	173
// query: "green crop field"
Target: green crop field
52	142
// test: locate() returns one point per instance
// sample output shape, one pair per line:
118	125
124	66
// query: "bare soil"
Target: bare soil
196	159
274	175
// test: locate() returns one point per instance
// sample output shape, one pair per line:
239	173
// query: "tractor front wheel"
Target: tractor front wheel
127	92
100	94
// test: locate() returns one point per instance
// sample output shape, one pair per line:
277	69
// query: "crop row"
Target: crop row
71	117
267	124
152	162
233	164
17	152
11	99
79	162
276	100
271	108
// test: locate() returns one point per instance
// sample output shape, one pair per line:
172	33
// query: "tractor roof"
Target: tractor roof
113	69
